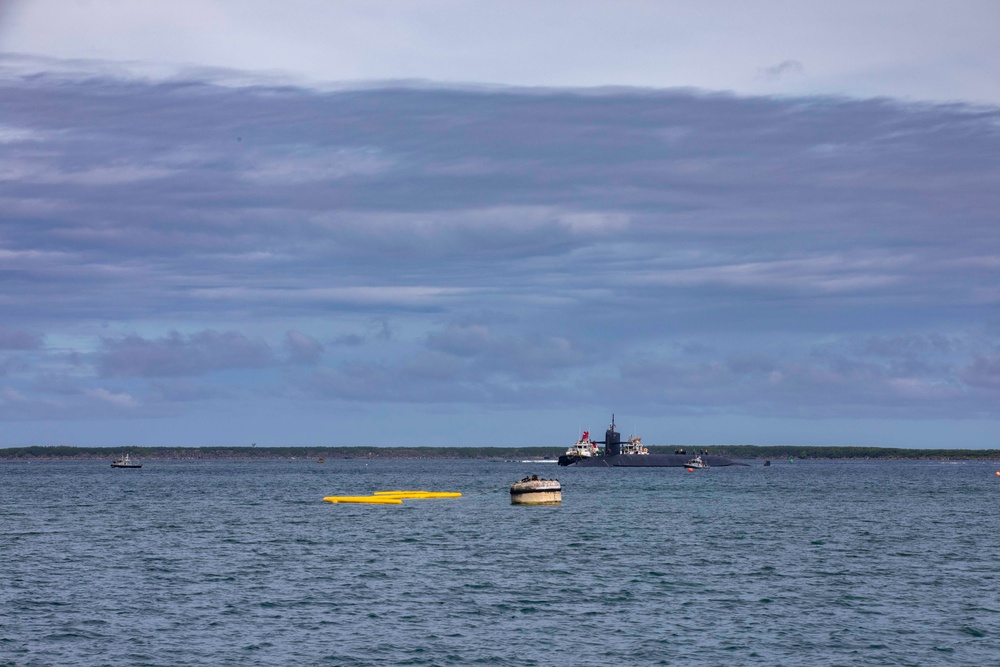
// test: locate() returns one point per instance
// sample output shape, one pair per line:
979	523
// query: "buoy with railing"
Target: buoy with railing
535	491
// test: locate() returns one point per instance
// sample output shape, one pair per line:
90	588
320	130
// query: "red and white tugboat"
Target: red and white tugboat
583	449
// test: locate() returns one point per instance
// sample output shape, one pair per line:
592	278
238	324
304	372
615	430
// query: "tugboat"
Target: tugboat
125	462
632	454
584	448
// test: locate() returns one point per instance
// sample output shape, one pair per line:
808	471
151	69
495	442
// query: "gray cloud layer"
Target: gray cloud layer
685	251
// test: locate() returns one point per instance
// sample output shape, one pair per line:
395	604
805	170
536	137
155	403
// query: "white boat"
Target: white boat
696	462
125	462
634	446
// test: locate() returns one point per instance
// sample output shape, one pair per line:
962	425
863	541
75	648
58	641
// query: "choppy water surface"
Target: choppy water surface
227	562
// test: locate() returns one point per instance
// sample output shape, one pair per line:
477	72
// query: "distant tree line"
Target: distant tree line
222	452
353	452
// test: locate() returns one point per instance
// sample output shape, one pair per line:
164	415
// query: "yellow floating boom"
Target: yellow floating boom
392	497
370	500
418	494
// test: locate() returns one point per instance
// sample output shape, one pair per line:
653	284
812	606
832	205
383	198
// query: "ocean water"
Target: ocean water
241	563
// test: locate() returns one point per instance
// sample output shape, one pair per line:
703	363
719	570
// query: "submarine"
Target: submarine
632	454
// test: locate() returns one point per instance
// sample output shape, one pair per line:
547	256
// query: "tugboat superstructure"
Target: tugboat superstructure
584	447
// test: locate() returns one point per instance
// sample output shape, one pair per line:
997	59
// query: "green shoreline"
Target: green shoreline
38	453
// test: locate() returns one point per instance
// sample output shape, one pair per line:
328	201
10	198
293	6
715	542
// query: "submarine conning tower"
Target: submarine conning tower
612	439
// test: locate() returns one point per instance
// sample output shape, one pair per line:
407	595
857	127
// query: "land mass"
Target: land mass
39	453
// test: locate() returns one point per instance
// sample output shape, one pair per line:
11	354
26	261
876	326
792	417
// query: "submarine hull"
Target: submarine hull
645	461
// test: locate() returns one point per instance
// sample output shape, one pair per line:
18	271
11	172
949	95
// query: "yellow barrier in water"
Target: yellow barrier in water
370	500
392	497
418	494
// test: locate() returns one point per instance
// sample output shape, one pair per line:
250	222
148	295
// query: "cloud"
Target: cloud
371	296
680	251
427	379
349	340
183	390
942	51
116	399
831	274
515	356
916	377
786	68
12	339
309	164
460	364
9	395
302	349
465	341
179	355
983	372
911	376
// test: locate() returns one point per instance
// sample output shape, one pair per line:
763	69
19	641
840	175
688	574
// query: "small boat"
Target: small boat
125	462
535	491
696	462
634	446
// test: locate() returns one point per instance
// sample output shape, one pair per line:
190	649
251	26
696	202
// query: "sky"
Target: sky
444	223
